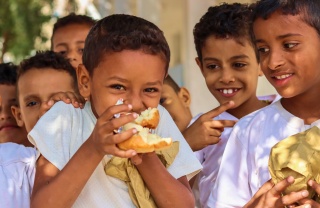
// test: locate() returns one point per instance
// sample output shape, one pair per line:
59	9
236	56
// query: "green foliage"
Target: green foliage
20	24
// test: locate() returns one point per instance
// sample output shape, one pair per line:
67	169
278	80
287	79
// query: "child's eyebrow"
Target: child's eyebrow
61	44
243	56
210	59
280	37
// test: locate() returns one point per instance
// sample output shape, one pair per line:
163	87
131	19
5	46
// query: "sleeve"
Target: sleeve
52	134
185	163
232	176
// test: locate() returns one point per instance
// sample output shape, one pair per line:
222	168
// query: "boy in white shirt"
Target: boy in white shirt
228	61
17	156
286	35
124	57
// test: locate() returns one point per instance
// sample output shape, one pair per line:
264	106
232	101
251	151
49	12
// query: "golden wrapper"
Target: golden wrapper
297	156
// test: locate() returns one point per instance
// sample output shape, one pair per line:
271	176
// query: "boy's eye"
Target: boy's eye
118	87
80	50
162	100
290	45
239	65
151	90
32	103
263	49
63	52
212	66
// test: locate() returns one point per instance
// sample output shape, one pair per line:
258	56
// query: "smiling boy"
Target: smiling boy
124	57
286	34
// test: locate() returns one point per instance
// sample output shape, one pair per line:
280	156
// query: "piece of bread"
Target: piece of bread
144	141
148	118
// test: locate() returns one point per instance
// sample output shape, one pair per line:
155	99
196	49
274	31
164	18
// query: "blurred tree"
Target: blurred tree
20	24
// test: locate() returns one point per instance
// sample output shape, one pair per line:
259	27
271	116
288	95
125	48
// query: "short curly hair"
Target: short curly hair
72	19
8	74
119	32
44	60
224	21
308	9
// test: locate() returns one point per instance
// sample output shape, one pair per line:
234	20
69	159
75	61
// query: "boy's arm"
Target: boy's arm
164	188
54	188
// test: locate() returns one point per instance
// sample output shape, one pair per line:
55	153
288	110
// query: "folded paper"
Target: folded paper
297	156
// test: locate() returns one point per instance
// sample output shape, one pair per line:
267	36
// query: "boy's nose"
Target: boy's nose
275	61
226	76
5	113
136	102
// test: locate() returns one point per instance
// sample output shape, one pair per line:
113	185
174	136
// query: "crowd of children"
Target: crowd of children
54	154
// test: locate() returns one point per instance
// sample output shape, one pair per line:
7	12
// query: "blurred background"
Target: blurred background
26	26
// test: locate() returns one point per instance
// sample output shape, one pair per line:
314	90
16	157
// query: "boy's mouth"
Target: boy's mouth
229	90
284	76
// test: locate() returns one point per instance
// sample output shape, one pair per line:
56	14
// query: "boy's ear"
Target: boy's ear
83	81
199	63
260	71
17	115
185	96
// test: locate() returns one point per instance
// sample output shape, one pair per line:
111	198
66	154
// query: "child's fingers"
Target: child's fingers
314	185
118	138
228	123
124	153
281	186
218	110
67	97
108	114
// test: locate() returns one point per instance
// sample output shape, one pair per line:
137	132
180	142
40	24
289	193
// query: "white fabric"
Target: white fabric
245	160
17	170
210	158
63	129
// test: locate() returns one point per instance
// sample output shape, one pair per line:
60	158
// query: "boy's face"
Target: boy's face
9	130
289	52
230	69
35	87
134	76
177	104
69	41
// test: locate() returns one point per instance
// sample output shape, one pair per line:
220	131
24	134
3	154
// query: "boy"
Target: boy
68	36
286	35
176	100
17	163
40	79
228	61
9	130
124	57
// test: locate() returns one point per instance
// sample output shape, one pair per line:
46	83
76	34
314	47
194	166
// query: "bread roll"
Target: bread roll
144	141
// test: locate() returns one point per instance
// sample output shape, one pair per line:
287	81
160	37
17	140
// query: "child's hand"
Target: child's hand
103	137
68	97
206	131
315	186
269	195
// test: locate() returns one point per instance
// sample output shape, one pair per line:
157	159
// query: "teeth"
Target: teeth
283	76
228	91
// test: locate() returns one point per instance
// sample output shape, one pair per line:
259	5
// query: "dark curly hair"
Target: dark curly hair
119	32
169	81
72	19
44	60
308	9
223	21
8	73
